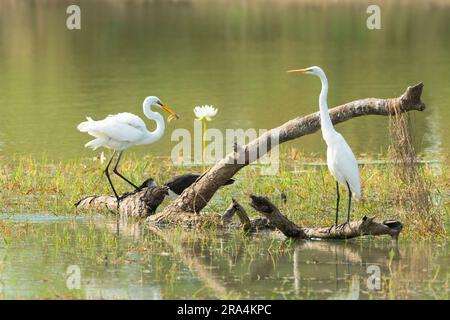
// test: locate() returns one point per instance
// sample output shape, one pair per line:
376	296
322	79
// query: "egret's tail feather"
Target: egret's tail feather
86	125
357	194
94	144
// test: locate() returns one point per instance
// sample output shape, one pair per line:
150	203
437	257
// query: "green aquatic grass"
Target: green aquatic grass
42	185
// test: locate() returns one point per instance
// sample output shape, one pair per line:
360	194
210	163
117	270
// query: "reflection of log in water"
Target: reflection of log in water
192	262
330	269
311	259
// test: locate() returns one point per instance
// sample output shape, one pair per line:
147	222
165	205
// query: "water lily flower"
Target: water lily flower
203	114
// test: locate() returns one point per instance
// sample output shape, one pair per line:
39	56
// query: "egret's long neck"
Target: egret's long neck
160	125
325	121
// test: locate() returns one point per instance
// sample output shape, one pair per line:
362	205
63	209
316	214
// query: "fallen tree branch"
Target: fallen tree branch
243	217
195	198
365	226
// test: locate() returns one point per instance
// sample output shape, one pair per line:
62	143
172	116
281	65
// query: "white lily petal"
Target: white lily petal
205	112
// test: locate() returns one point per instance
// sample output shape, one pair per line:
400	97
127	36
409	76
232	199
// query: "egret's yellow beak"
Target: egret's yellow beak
299	70
173	114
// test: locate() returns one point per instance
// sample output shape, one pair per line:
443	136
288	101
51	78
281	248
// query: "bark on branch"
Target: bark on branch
195	198
138	204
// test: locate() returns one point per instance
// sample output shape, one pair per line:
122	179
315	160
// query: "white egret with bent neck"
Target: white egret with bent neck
124	130
340	159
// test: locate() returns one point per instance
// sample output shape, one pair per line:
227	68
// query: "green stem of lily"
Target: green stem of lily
204	140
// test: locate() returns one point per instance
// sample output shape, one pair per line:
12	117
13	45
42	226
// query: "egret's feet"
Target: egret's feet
333	226
122	197
118	203
342	226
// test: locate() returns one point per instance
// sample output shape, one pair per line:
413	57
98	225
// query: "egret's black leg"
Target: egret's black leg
109	178
337	202
349	203
117	172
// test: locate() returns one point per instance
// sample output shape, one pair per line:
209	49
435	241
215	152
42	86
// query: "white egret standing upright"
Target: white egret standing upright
124	130
340	159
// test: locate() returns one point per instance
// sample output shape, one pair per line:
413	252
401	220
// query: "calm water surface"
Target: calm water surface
120	259
232	54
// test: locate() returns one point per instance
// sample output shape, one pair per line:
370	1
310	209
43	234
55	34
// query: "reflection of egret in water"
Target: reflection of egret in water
95	289
353	290
1	141
297	274
339	267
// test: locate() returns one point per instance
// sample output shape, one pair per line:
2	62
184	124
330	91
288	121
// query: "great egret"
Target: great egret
124	130
340	159
177	184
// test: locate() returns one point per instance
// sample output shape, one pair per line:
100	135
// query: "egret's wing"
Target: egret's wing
130	119
348	166
120	127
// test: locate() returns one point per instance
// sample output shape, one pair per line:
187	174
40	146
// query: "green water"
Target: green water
232	54
122	260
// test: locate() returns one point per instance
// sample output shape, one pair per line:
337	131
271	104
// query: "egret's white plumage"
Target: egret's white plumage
124	130
342	164
340	159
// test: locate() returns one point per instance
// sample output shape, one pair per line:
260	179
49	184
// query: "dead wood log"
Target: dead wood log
137	204
236	208
195	198
365	226
247	223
